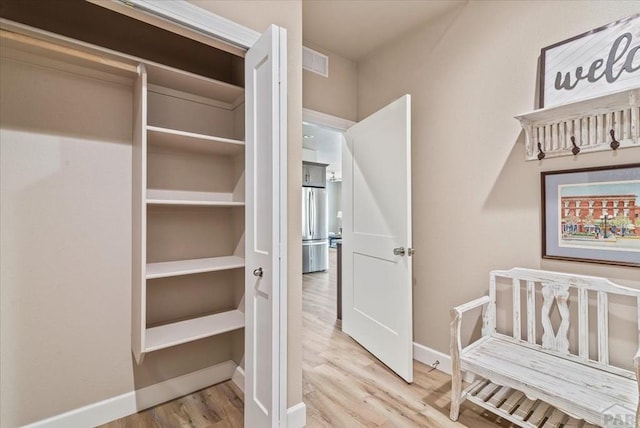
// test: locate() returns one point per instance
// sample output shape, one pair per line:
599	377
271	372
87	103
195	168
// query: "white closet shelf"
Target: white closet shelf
173	139
183	197
185	81
177	333
188	267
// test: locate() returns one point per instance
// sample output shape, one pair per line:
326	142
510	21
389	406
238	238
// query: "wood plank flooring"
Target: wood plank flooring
219	406
343	385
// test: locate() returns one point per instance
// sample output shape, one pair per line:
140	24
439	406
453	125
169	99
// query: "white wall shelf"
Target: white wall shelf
184	81
172	139
590	123
177	333
188	267
183	197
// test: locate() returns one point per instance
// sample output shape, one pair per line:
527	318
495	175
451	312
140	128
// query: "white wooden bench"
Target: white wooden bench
521	378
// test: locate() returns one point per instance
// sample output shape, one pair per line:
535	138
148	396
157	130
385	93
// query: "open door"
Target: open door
265	230
377	248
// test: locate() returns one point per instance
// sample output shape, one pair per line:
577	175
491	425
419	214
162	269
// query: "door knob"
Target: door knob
257	272
399	251
411	251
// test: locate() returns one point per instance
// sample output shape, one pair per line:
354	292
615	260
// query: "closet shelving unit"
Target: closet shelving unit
188	197
188	189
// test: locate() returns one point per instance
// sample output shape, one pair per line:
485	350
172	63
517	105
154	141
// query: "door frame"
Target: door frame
314	117
189	20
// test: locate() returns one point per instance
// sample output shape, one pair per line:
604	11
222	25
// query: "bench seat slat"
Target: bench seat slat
572	423
555	420
524	409
539	413
500	396
581	390
512	401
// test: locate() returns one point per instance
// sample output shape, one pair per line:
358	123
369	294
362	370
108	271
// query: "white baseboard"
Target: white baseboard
429	356
238	378
297	416
131	402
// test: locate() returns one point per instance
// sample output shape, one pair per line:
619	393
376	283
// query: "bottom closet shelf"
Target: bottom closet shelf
180	332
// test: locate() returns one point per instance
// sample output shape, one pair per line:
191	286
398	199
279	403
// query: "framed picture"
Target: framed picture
592	215
598	62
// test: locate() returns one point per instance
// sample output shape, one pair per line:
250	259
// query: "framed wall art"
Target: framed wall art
598	62
592	215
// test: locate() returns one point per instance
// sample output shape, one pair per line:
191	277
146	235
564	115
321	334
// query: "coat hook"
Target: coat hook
541	154
575	149
614	143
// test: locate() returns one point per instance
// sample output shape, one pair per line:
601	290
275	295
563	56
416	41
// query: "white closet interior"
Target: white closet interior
188	168
187	174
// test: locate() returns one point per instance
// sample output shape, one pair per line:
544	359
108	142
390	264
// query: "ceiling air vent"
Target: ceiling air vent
315	62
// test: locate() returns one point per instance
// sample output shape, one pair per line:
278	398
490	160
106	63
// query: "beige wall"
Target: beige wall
66	237
476	202
336	94
65	217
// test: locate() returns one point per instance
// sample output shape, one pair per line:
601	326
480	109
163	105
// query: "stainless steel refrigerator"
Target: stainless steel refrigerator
315	230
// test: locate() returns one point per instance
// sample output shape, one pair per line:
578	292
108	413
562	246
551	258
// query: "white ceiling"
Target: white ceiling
326	145
355	28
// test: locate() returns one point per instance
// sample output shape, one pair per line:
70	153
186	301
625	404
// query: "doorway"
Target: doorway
322	144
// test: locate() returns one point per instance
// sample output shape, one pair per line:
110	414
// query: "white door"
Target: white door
376	195
265	271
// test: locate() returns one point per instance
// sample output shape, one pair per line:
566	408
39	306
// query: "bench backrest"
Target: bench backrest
556	288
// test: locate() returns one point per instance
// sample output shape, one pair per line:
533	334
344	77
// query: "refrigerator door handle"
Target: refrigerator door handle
309	213
313	213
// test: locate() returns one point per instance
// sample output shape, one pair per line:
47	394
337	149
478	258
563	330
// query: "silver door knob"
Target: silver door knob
257	272
399	251
411	251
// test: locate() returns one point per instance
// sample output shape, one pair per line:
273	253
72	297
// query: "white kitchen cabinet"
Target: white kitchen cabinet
314	174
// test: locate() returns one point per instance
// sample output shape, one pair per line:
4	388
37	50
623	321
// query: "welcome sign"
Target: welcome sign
598	62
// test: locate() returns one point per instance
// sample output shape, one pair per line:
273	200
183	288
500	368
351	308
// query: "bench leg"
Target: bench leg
456	394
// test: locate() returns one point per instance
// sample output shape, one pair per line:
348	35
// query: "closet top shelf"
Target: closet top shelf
184	81
34	50
40	44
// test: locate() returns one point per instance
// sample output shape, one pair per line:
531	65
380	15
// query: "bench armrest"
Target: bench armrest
466	307
456	321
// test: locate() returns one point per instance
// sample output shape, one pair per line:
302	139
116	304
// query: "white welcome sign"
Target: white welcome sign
598	62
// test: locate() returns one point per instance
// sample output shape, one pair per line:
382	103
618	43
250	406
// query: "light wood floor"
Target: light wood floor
343	385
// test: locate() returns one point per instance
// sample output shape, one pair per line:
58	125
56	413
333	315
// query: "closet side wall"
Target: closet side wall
65	210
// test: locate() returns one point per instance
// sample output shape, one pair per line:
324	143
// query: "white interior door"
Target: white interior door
376	281
265	282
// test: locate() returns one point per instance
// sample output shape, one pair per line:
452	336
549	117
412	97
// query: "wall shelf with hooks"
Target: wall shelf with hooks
607	122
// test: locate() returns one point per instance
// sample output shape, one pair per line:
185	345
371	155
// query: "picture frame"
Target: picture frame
592	215
598	62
